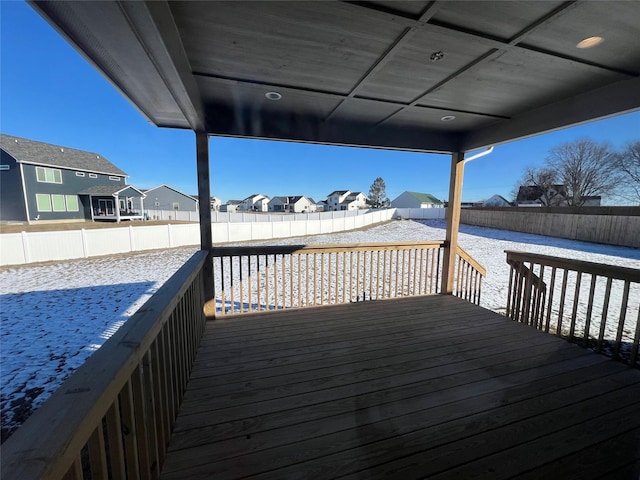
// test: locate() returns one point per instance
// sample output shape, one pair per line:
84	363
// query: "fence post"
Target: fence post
131	244
85	247
169	234
25	248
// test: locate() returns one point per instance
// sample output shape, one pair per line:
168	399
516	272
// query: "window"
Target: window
175	206
157	204
79	174
93	175
43	202
48	175
117	179
58	203
4	167
72	203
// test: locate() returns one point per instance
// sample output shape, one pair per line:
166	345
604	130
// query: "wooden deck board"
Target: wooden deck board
403	388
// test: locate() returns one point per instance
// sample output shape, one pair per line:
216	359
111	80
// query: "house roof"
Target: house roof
338	192
191	197
40	153
425	197
426	76
108	190
530	193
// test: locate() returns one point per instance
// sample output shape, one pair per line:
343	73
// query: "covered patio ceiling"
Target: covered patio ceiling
388	74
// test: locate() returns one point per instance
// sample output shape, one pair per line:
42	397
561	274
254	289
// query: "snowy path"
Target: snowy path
52	317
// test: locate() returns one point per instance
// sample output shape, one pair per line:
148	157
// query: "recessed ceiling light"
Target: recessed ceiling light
448	118
590	42
273	96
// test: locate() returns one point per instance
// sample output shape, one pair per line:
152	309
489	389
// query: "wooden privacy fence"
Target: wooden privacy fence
113	417
589	303
249	279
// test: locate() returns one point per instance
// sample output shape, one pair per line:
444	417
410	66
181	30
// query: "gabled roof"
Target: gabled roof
164	185
108	190
281	199
40	153
425	197
338	192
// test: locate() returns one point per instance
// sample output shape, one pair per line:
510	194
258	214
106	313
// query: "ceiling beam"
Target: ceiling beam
408	33
613	99
155	27
329	94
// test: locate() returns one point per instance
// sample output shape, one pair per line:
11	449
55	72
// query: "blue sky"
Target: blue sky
48	92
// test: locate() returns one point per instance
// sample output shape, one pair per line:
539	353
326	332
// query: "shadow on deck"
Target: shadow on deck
418	387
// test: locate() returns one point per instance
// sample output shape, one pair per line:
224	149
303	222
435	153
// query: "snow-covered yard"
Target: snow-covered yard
54	316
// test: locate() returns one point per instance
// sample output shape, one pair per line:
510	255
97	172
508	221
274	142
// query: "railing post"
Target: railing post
204	195
453	222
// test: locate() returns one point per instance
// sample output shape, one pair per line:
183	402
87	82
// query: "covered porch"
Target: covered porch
115	203
431	386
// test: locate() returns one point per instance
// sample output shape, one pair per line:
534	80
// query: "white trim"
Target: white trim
93	175
24	193
4	168
64	202
80	174
28	162
53	171
113	177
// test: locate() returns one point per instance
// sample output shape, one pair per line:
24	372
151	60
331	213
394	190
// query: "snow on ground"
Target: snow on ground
53	316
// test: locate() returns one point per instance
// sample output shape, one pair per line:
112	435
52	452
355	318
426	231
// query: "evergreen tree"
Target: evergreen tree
377	194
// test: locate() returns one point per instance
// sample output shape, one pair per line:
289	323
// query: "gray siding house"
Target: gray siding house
164	197
41	181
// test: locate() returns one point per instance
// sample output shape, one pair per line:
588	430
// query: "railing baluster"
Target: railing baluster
636	342
587	324
97	455
574	312
550	301
623	316
605	311
563	293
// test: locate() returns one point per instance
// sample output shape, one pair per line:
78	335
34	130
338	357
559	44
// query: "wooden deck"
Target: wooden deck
424	387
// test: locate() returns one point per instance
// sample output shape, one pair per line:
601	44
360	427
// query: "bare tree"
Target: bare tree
585	168
378	194
628	164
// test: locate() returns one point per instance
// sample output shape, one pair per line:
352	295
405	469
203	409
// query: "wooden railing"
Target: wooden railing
589	303
249	279
113	417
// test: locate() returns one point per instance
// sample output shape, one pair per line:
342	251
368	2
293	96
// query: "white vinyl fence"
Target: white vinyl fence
31	247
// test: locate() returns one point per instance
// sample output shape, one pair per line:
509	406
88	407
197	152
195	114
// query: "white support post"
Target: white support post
204	195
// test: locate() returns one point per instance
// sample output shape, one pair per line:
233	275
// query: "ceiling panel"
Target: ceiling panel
366	111
289	43
430	118
502	19
413	8
518	80
617	22
411	72
239	96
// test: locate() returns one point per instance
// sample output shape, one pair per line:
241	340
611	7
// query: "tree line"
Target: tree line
585	168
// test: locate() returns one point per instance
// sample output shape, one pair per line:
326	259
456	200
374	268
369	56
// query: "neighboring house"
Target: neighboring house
294	204
496	201
416	200
232	206
345	200
531	195
321	206
41	181
255	203
164	197
215	203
